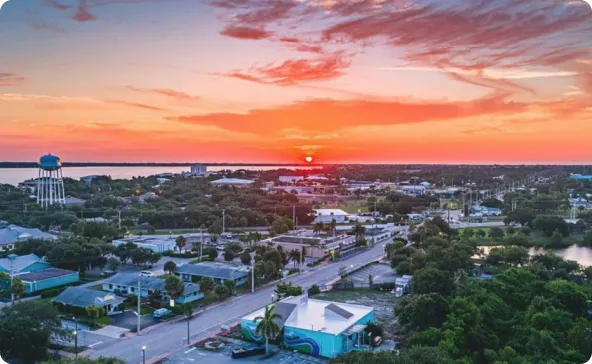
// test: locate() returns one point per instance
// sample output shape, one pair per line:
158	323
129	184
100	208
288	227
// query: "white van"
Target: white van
146	273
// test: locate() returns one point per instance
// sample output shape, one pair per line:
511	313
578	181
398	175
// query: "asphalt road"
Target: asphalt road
166	339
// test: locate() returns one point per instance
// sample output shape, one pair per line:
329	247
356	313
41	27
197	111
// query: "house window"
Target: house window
132	289
110	286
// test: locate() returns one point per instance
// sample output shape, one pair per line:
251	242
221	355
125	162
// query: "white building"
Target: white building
156	243
327	215
199	169
290	179
233	182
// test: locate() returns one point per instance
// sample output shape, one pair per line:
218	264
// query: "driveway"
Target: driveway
129	320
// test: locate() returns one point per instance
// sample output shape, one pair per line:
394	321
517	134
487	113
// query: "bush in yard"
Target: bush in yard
314	289
211	253
228	255
245	258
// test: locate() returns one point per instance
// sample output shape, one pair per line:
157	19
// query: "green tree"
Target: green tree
180	242
207	285
432	280
267	326
113	264
170	267
94	312
174	287
228	255
211	253
26	329
230	285
556	239
222	292
245	258
17	288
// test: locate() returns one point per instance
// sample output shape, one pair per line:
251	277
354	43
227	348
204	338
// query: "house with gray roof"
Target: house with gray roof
12	234
85	297
47	279
22	264
219	272
126	284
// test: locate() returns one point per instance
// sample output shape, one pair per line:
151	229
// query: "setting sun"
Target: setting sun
308	159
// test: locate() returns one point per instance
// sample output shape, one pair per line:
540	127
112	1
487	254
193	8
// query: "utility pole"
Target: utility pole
139	299
223	221
252	275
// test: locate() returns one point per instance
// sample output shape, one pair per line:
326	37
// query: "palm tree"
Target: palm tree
294	256
257	237
359	230
318	227
181	241
17	288
333	226
170	267
266	325
174	287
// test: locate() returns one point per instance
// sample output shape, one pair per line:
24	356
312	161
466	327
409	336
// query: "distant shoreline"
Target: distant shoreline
100	164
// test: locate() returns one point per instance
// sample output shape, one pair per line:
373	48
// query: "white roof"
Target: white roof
326	212
312	316
232	181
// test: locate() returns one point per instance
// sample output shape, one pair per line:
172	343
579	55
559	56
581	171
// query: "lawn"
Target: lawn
383	303
104	320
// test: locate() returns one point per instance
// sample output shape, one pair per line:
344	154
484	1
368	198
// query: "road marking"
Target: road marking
95	344
188	351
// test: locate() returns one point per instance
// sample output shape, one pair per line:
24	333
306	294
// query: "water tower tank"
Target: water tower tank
50	184
50	162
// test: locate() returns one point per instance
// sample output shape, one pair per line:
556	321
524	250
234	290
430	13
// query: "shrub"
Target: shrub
314	289
52	292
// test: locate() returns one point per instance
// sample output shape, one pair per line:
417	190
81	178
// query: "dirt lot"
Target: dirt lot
383	303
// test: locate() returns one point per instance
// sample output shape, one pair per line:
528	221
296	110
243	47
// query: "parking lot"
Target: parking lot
381	273
197	356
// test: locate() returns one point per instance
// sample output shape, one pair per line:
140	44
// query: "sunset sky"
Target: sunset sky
346	81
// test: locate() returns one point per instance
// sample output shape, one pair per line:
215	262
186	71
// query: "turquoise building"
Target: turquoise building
46	279
320	328
23	264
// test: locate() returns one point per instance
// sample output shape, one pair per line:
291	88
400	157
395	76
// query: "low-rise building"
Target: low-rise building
219	272
85	297
237	182
12	234
315	327
126	284
47	279
290	179
156	243
328	215
315	246
23	264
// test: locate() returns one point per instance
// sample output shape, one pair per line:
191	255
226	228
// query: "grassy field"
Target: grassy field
383	303
104	320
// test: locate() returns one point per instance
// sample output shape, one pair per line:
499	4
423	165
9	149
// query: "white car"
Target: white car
146	273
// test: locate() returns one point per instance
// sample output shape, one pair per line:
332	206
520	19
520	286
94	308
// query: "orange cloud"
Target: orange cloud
331	115
11	79
296	71
165	92
244	32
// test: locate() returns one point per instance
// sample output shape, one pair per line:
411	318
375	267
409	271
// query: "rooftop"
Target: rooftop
84	297
20	262
43	275
214	270
325	316
14	233
325	212
149	283
232	181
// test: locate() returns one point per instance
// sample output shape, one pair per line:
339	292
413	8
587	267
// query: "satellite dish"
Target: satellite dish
2	361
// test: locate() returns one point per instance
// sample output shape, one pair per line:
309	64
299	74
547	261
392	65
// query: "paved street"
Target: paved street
166	339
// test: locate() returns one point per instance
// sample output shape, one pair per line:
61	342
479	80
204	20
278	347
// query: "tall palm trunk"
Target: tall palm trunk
266	345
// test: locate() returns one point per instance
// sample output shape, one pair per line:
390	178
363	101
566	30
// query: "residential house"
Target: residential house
219	272
126	284
12	234
85	297
23	264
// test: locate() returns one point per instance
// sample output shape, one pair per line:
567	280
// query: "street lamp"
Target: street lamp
144	354
75	333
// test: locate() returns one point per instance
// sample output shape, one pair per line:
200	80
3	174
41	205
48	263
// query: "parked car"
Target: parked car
146	273
162	312
245	353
